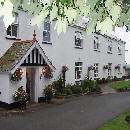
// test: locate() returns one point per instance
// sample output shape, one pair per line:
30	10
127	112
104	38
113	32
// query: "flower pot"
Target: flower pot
22	105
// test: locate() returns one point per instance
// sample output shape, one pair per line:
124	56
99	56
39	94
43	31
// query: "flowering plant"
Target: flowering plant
105	66
49	91
117	67
17	75
47	72
20	95
64	68
90	68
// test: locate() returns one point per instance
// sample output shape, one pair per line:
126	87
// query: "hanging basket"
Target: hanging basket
47	72
117	67
90	68
64	68
105	67
17	75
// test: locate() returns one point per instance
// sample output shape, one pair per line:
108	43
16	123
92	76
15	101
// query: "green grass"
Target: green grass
118	124
120	84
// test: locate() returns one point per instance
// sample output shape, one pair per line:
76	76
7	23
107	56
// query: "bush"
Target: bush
76	88
58	85
103	80
98	88
98	81
85	84
48	93
67	91
108	79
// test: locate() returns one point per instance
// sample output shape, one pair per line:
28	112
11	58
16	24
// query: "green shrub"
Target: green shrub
98	81
98	88
85	84
108	79
67	91
76	88
58	85
103	80
48	94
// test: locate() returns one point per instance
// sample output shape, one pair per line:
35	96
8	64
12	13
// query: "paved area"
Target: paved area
80	113
107	89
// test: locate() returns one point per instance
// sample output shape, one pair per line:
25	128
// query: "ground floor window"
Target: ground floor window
96	67
78	70
109	69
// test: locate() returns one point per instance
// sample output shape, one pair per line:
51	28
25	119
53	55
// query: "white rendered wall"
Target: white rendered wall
4	87
13	86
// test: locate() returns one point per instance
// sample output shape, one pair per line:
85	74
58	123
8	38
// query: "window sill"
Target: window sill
78	47
12	38
78	80
49	43
109	52
97	50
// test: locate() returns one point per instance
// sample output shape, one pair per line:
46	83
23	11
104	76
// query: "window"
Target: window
96	44
109	69
109	48
12	30
78	70
119	51
96	70
78	39
46	32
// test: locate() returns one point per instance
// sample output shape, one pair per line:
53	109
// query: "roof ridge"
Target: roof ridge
26	41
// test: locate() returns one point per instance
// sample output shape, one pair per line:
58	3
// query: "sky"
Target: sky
125	36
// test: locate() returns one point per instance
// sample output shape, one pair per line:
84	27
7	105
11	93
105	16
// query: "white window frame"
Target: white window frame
109	69
48	32
96	44
109	46
119	50
15	23
78	70
79	35
96	70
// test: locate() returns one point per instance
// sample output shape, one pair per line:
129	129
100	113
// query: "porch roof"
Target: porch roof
16	53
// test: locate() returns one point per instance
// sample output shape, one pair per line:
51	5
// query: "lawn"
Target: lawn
120	85
118	124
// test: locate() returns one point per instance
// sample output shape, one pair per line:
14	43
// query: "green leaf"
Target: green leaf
37	20
115	12
106	26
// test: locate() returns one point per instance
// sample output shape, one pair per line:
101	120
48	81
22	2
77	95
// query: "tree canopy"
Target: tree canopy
102	15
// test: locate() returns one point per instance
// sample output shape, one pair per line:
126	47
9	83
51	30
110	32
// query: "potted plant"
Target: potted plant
21	97
49	91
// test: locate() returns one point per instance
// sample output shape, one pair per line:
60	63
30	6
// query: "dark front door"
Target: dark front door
30	84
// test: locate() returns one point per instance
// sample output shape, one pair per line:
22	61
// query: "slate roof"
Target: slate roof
14	54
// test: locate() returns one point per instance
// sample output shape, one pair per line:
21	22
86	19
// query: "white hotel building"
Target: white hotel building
73	49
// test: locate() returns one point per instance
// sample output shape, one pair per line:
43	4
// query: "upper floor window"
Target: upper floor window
78	70
109	48
96	65
12	30
96	44
78	39
119	50
46	32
